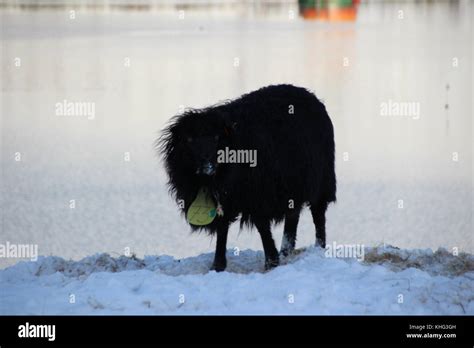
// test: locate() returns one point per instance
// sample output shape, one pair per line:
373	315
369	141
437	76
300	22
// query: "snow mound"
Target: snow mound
389	281
245	262
440	262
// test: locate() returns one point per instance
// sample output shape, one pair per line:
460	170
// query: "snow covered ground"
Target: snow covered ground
387	281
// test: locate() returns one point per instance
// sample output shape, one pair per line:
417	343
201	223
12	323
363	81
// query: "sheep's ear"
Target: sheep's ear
229	129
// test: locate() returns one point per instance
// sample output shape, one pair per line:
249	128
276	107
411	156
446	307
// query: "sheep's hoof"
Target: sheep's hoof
219	266
320	243
287	251
270	264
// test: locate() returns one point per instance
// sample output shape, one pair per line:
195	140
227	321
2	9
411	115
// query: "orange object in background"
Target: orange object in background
329	10
315	14
342	14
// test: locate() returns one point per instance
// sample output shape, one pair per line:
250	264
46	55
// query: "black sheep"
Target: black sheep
289	134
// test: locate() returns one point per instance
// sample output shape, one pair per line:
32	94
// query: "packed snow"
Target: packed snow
386	280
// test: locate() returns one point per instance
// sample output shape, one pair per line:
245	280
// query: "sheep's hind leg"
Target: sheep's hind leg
319	218
289	233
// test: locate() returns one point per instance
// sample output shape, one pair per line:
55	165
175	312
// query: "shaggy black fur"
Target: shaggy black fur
295	163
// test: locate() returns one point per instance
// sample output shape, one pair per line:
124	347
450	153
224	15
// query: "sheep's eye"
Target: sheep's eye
190	140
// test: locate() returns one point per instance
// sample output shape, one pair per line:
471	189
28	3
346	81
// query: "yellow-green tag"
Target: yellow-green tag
203	210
